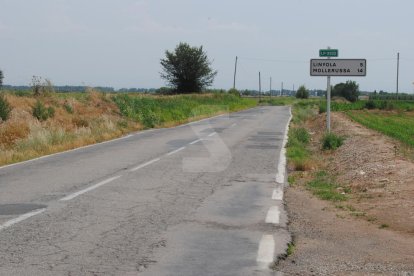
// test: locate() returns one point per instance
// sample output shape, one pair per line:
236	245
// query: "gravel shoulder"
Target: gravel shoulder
373	234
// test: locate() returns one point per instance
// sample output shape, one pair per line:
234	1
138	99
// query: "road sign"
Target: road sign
338	67
328	52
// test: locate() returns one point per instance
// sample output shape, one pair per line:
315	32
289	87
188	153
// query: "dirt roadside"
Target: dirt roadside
374	234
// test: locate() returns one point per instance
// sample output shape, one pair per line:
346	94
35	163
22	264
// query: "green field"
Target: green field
371	104
397	125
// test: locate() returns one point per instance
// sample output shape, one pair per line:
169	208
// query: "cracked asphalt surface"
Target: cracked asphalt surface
198	211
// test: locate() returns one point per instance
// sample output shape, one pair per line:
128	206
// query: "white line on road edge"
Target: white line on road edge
273	215
266	251
277	194
72	196
145	164
21	218
281	168
212	134
175	151
196	141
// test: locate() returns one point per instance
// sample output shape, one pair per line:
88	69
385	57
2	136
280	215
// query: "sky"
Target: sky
120	43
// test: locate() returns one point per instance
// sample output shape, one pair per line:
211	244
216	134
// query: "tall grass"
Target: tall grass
154	111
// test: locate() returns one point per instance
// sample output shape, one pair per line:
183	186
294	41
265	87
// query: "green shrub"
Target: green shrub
68	108
5	108
322	108
41	112
330	141
234	92
302	92
370	104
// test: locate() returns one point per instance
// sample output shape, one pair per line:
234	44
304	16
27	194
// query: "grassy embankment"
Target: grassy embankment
392	118
42	125
304	160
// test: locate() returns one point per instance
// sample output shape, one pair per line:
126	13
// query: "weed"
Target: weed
358	214
291	179
68	107
331	141
325	188
5	108
384	225
290	249
41	112
301	135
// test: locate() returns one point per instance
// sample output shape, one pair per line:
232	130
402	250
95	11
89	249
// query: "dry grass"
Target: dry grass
93	120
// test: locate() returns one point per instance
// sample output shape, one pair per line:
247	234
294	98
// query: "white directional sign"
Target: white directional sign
338	67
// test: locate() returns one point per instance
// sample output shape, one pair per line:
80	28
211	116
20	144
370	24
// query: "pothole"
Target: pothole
19	208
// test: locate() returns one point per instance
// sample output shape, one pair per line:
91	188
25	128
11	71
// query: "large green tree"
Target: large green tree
348	90
187	69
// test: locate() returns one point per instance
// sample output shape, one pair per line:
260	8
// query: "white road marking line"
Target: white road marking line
72	196
175	151
281	168
196	141
212	134
21	218
273	215
277	194
145	164
266	251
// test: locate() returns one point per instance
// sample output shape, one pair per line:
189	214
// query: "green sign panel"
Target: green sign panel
328	52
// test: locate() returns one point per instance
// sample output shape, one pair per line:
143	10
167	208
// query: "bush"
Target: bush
322	108
41	112
331	141
370	104
234	92
302	92
5	108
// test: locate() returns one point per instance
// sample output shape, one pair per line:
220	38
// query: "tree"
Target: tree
302	92
1	78
187	69
348	90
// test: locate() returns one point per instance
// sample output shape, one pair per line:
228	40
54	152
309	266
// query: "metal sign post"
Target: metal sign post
335	67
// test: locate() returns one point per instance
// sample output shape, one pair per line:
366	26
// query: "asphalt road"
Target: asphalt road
199	199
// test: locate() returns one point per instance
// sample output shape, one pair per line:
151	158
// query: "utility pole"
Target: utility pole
260	88
270	91
235	71
398	70
293	91
281	90
328	101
